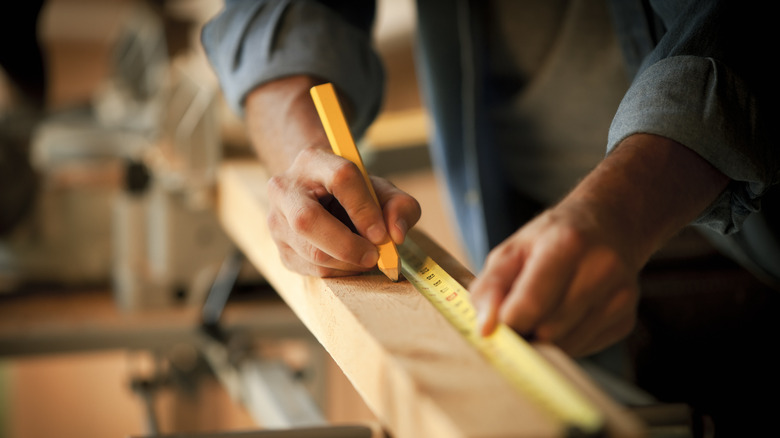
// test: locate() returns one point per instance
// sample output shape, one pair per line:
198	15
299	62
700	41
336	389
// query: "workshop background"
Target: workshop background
103	279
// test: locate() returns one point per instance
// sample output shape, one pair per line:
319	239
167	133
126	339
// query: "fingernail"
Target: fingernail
376	234
369	259
485	325
482	316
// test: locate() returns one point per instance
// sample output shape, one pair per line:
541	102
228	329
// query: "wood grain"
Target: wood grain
415	372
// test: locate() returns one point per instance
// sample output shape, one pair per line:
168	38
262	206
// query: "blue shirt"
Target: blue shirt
701	76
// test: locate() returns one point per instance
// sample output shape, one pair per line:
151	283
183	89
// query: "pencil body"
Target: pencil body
343	145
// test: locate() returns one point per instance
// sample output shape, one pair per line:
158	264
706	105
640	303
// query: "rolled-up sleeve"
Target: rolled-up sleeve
254	42
700	88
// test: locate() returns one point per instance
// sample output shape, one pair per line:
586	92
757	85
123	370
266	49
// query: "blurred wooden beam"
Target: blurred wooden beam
61	321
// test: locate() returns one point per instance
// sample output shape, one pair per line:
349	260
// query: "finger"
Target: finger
346	182
603	327
294	247
300	218
598	275
491	286
294	262
401	210
332	205
541	286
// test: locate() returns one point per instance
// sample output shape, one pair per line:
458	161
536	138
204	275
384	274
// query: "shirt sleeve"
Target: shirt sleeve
703	87
254	42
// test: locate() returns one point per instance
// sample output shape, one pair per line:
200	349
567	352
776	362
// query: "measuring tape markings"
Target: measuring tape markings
512	356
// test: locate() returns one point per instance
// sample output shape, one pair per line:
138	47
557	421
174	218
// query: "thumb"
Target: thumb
401	211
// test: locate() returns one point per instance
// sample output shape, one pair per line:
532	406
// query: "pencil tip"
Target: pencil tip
391	273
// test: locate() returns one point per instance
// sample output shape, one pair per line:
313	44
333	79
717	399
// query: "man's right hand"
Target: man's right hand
322	216
316	203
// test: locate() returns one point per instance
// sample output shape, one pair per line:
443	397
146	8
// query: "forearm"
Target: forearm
282	121
645	191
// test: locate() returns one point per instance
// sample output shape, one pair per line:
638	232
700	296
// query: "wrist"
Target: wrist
282	121
644	192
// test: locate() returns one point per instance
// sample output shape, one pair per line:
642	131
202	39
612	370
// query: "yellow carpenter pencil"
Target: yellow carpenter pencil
343	145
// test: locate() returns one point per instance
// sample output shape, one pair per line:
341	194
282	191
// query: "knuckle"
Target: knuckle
276	185
345	173
363	212
307	154
318	256
302	220
503	253
611	261
493	256
273	220
571	238
498	253
607	264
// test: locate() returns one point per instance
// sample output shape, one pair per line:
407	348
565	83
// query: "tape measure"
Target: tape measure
504	349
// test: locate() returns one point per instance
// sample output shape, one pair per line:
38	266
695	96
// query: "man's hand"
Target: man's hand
321	202
558	280
570	275
316	196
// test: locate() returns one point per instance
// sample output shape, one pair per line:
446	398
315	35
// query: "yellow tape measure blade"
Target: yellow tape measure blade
514	358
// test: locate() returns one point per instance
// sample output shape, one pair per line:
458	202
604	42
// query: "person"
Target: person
523	96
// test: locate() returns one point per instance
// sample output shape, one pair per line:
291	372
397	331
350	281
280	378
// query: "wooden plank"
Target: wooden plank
416	373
